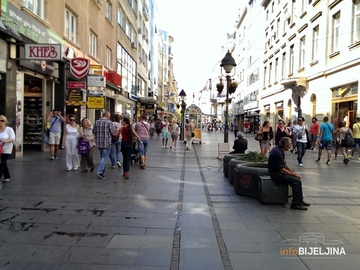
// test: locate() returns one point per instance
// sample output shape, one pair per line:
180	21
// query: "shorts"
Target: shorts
356	142
327	145
143	148
264	145
313	137
165	134
174	135
54	138
158	131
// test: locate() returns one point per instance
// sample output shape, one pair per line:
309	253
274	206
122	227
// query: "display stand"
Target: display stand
194	114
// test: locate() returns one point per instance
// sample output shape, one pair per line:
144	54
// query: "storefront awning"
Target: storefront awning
147	100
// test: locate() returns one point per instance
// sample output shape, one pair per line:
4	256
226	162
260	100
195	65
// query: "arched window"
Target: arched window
313	105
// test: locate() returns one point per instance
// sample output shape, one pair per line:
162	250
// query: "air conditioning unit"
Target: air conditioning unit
139	30
133	45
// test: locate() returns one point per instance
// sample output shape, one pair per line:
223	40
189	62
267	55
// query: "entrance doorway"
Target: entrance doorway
344	111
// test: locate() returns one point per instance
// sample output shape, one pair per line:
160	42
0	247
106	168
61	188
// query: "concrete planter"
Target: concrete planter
226	160
231	168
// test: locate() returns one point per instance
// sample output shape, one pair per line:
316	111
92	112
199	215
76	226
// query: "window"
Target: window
254	77
303	6
283	70
127	29
335	32
108	57
120	18
292	58
356	21
276	71
108	11
36	7
265	76
278	27
270	73
315	43
302	52
93	44
70	25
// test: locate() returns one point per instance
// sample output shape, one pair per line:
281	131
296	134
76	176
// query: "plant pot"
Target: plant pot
220	88
231	169
232	90
226	160
246	180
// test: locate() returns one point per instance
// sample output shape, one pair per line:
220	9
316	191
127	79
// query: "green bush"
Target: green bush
253	156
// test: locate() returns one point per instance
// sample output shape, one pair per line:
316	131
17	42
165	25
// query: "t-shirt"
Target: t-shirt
276	160
7	134
327	130
314	129
300	131
55	124
165	124
142	129
356	130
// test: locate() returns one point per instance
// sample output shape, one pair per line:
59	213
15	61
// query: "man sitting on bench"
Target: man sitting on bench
282	173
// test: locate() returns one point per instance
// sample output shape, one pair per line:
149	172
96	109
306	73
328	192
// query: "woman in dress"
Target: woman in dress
7	140
265	142
174	131
127	134
281	131
70	140
87	161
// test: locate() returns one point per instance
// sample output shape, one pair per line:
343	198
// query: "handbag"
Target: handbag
193	134
259	137
47	132
83	147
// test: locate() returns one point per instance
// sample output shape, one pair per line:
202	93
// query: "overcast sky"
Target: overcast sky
199	28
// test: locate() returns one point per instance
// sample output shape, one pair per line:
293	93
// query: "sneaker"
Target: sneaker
317	160
76	168
113	167
351	157
301	165
163	147
296	152
6	180
166	147
311	148
346	161
119	164
101	176
358	158
52	157
170	147
56	157
328	162
126	175
68	170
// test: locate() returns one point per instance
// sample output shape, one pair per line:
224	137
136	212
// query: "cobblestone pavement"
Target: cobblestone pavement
178	213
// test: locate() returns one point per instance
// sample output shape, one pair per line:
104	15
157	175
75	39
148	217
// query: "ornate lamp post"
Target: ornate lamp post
182	95
227	64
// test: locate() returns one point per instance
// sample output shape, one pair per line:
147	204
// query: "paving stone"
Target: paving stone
141	242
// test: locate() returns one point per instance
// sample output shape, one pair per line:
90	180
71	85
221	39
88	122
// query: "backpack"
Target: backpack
348	139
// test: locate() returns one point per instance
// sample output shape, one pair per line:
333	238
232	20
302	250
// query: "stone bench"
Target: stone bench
253	180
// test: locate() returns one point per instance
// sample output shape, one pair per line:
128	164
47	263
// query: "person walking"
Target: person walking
7	141
127	135
103	129
279	171
174	130
337	139
152	128
345	145
235	128
142	129
281	132
158	128
55	119
70	142
165	132
265	141
356	132
189	128
115	154
324	141
86	133
314	132
301	139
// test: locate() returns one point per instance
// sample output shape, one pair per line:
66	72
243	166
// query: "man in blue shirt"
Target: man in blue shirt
325	139
282	173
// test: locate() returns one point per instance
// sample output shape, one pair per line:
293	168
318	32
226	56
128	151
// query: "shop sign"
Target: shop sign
96	81
43	52
76	84
27	25
75	95
79	67
44	67
96	102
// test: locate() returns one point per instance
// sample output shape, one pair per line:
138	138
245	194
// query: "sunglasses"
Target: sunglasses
72	119
2	120
300	120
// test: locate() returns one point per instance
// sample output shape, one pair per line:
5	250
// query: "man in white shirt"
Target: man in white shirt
301	139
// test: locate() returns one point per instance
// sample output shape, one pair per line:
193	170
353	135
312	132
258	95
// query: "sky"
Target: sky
199	29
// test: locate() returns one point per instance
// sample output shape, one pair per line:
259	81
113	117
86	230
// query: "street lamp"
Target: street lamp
182	95
227	63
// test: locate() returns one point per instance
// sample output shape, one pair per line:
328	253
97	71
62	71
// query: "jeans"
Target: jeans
104	154
126	149
115	152
4	170
294	183
301	151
